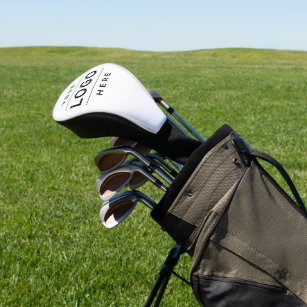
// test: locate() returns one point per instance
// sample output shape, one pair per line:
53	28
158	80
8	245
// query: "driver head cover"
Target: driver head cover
110	90
108	100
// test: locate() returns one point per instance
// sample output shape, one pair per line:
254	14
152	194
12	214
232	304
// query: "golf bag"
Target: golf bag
247	237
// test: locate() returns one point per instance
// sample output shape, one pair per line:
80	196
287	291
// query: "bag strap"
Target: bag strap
283	172
246	149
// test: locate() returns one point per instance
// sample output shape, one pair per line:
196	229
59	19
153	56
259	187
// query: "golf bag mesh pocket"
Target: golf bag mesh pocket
216	172
247	237
258	243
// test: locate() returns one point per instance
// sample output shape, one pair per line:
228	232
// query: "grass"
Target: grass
53	249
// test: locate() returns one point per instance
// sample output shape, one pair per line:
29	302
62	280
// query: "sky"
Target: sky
158	25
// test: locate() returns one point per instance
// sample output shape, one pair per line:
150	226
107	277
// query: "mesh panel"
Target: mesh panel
219	261
262	227
208	183
237	223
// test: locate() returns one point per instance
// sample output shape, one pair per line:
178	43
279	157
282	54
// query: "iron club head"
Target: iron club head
120	206
111	182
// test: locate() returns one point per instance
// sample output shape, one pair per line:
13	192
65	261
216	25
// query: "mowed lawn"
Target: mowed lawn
53	249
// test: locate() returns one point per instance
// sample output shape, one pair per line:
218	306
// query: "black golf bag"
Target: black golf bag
247	237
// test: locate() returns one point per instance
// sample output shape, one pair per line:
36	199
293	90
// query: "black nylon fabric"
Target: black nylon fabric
169	141
227	292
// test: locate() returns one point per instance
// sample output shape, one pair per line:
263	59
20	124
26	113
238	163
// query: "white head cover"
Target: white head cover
110	88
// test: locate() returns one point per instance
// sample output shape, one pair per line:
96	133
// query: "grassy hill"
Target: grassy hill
53	249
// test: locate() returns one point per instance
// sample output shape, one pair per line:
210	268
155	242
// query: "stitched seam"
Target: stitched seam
200	190
200	167
261	253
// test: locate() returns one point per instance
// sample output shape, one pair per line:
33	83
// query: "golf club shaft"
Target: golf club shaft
153	167
171	111
146	200
175	124
155	181
156	157
177	165
188	127
115	141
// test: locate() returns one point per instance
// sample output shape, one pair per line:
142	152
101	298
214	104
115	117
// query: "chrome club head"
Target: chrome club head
113	181
120	206
112	157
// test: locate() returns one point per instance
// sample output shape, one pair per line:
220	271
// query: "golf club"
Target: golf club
111	182
118	159
121	205
106	160
157	158
137	178
171	111
108	100
115	141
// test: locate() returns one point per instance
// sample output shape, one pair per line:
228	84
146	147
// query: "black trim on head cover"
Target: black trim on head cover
169	141
161	209
172	142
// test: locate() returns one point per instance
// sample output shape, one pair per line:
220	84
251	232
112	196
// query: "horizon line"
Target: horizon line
145	50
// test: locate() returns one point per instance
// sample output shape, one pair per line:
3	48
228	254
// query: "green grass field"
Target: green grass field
53	249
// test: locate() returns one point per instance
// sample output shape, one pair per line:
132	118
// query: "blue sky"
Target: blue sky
155	25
